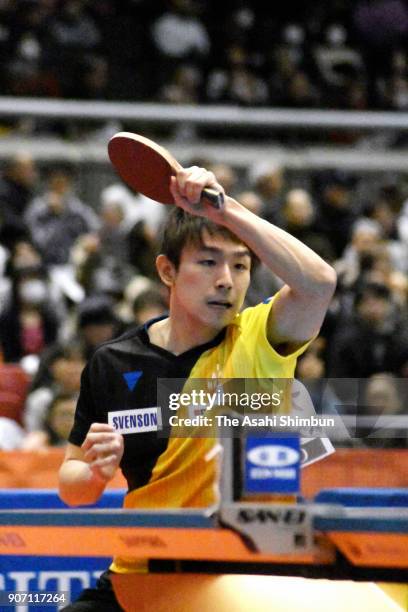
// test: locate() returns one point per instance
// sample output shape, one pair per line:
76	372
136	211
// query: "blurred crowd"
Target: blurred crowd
347	54
74	274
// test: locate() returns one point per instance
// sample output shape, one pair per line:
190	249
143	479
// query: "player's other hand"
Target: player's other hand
186	188
103	450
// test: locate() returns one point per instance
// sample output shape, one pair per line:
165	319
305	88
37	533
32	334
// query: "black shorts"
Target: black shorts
99	599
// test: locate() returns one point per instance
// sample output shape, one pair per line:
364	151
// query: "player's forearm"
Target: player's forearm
295	263
78	483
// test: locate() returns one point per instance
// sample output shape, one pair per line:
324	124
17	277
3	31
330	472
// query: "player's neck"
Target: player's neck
178	335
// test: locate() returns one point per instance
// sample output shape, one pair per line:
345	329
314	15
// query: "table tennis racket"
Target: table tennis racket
146	167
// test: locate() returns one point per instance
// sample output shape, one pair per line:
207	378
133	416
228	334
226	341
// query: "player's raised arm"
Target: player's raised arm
87	469
299	311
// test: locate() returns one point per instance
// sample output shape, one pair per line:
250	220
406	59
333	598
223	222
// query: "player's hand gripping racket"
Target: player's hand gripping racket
146	167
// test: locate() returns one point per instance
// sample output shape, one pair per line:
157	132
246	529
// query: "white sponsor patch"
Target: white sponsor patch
139	420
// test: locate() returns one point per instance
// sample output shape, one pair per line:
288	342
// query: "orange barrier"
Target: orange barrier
37	470
363	467
375	549
345	468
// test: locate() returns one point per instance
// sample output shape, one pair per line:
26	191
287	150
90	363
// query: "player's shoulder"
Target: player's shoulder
256	312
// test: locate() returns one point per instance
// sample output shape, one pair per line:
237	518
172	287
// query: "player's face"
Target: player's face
211	281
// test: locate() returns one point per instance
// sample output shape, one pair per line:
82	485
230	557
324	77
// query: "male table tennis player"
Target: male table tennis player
205	261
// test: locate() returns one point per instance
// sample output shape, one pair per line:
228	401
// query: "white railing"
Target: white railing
226	116
237	153
369	154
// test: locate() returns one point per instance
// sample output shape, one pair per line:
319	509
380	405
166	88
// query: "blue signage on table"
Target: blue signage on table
272	464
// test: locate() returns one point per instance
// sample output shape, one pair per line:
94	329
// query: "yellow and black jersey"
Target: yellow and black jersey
120	384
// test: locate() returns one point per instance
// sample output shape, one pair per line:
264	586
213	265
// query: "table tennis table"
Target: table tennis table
356	534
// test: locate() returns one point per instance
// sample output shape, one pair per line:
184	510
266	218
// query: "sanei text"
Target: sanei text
207	401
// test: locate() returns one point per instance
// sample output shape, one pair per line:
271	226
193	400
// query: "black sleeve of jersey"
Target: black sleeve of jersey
85	413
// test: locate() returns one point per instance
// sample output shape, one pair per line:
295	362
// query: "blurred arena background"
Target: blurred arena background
301	110
301	113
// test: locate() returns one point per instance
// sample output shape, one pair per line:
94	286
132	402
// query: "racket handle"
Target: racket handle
215	198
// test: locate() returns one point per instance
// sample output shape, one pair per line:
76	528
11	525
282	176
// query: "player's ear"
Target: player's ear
166	270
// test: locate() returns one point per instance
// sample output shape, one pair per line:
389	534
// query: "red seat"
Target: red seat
13	379
11	406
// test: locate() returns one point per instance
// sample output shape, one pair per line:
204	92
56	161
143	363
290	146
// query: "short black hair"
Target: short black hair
182	229
150	297
96	310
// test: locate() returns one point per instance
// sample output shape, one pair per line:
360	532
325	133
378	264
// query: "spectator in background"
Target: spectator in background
252	201
93	323
366	259
293	78
336	211
285	64
179	35
25	255
137	286
311	364
300	91
25	261
311	370
22	255
238	82
139	226
183	86
136	207
57	217
112	232
340	70
374	339
357	256
385	210
264	282
381	28
382	270
59	373
26	71
102	259
328	55
384	395
60	418
298	218
16	190
226	175
56	425
149	304
267	180
97	323
369	257
28	322
70	32
142	244
93	79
